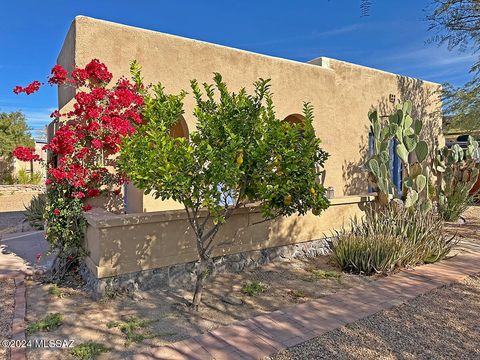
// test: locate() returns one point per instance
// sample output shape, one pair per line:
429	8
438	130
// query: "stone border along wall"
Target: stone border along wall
183	274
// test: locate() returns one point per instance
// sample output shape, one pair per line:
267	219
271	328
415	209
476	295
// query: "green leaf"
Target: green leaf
374	167
415	170
408	122
411	199
427	206
417	126
402	153
410	143
399	134
382	186
421	150
421	182
408	183
407	107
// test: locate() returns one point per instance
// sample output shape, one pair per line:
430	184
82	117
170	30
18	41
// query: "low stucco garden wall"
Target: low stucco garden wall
132	243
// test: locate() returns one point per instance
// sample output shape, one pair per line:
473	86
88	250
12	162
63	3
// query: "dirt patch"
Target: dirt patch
443	324
11	222
16	200
7	308
165	311
468	230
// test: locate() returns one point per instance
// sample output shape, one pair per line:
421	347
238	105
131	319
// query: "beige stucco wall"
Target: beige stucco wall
342	95
120	244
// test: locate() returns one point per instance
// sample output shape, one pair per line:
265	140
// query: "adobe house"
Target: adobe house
151	243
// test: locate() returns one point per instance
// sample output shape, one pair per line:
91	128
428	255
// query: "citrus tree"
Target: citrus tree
240	153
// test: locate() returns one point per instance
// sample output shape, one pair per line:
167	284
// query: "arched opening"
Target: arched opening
136	201
179	129
295	119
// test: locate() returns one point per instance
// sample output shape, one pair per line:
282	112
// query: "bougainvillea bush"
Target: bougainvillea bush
82	154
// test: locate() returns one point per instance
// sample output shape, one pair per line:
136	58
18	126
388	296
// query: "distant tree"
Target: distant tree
457	25
462	107
14	132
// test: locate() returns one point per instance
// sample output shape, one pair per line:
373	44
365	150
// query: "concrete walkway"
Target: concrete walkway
265	335
19	250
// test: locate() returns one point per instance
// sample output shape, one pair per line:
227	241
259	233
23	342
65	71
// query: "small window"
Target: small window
295	119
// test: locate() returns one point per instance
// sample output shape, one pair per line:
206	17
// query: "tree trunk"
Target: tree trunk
201	274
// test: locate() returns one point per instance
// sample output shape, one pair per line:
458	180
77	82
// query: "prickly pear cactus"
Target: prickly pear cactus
457	167
379	162
411	150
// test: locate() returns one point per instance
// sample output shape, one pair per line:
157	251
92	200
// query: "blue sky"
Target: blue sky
393	38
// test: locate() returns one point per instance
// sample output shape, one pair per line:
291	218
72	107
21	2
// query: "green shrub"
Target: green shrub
35	210
7	179
88	350
390	238
23	177
456	203
55	291
48	323
253	288
134	329
322	274
36	178
297	294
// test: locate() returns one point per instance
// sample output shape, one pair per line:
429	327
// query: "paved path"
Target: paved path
9	220
265	335
17	257
23	249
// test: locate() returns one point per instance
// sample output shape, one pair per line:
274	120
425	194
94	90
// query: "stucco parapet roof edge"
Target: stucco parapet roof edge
372	69
80	18
99	218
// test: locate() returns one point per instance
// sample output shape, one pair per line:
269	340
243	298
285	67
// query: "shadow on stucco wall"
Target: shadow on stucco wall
354	172
426	106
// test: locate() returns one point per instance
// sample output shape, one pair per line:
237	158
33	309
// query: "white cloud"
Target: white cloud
37	118
428	56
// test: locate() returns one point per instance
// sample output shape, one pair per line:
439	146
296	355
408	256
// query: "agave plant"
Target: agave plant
389	238
35	210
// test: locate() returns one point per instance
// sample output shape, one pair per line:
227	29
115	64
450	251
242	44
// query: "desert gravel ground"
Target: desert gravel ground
442	324
289	282
470	229
7	290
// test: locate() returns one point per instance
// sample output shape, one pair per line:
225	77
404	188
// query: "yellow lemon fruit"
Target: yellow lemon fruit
287	200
